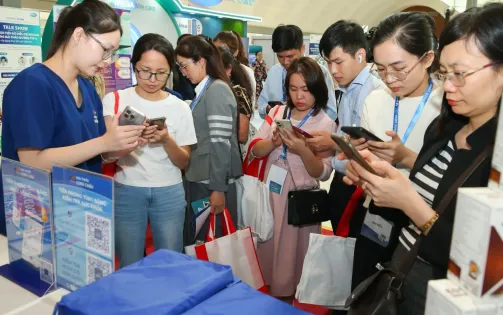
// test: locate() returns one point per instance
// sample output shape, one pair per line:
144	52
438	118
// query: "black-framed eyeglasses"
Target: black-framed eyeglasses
398	75
458	78
159	76
108	52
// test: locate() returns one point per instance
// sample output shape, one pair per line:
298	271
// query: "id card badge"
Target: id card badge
276	179
200	205
377	229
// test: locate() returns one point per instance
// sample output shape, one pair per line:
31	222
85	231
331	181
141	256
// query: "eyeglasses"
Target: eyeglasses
108	52
159	76
458	78
183	66
396	75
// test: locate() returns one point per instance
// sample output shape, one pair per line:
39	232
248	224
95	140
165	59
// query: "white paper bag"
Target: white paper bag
327	271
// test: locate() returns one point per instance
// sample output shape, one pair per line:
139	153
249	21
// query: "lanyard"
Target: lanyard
198	97
301	123
414	119
283	77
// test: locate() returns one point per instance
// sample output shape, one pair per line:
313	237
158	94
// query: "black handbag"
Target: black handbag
308	206
381	293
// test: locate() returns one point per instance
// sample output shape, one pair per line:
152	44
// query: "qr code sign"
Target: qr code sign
97	268
46	273
98	234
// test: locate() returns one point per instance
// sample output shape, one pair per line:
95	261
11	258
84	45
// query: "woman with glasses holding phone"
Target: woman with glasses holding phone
471	67
148	180
404	48
54	115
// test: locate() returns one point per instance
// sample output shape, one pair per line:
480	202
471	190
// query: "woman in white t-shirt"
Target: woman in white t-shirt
404	49
148	180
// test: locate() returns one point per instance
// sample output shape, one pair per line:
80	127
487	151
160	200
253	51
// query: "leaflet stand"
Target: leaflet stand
84	226
28	214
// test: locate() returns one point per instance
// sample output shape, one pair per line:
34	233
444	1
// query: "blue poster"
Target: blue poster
83	226
27	201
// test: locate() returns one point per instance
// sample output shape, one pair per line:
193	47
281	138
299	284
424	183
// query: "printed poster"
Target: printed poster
28	214
20	42
83	226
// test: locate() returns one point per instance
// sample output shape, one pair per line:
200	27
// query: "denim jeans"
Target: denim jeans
134	206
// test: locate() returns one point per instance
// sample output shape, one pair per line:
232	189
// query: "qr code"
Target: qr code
97	268
46	273
98	234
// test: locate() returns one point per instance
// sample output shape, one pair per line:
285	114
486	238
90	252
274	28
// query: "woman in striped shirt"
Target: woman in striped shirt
471	60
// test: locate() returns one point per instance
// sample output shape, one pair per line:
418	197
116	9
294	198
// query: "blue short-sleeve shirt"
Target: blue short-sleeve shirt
40	112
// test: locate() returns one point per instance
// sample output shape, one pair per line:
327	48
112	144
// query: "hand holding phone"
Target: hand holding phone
284	124
159	122
351	153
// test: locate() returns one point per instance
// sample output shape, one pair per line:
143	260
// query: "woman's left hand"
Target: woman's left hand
148	132
394	190
296	144
391	151
160	136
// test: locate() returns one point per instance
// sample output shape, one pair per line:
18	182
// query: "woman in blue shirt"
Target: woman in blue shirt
51	114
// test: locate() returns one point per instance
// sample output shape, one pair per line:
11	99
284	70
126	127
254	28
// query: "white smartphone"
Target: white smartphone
284	124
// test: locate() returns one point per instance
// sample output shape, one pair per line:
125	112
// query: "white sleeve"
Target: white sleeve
185	133
108	104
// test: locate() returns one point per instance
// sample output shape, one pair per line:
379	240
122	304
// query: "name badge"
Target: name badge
377	229
276	179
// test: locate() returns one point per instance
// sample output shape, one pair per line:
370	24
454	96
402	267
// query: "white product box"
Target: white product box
448	298
476	258
497	162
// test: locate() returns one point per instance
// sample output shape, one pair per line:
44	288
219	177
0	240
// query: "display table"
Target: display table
14	300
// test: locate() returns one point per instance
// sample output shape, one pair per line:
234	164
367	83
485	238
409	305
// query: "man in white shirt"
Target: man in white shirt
288	44
344	47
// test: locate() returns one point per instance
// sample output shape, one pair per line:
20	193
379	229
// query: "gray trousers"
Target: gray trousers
195	192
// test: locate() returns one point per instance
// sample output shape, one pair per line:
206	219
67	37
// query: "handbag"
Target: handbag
381	293
307	206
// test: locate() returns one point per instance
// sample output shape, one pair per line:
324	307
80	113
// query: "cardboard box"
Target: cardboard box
476	258
495	180
448	298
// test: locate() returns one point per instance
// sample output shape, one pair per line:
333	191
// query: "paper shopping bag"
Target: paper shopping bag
235	249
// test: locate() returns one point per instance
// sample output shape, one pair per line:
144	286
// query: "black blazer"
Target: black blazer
436	246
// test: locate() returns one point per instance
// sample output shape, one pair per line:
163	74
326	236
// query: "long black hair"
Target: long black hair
483	25
233	41
93	16
413	31
238	75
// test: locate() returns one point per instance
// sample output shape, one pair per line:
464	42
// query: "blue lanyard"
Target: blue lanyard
198	98
301	123
417	114
283	77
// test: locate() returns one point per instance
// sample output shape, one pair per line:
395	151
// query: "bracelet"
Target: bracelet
427	226
107	161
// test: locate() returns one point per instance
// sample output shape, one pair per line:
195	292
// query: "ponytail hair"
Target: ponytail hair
200	47
93	16
233	41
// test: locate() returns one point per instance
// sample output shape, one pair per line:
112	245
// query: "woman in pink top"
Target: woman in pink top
282	257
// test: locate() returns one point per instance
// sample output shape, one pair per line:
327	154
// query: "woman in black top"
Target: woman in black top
471	61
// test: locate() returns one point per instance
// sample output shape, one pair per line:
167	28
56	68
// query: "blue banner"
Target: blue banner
27	201
83	226
19	34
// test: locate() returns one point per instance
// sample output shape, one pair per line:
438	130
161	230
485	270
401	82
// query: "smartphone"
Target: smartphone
284	124
274	103
359	132
302	132
159	122
351	152
131	116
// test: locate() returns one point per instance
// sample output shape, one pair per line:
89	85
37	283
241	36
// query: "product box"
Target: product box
495	180
448	298
476	258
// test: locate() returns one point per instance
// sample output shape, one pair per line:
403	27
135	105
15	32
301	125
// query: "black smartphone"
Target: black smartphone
351	153
274	103
360	132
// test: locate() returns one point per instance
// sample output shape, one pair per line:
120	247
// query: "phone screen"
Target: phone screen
351	153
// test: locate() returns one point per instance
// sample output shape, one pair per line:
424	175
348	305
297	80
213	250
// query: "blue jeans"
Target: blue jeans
134	206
